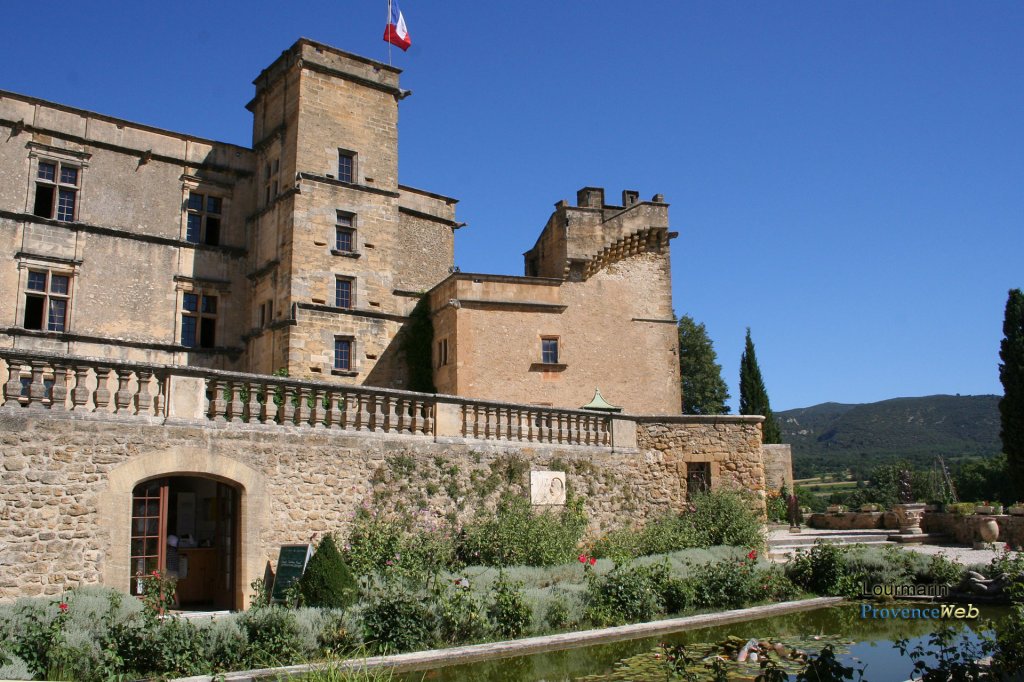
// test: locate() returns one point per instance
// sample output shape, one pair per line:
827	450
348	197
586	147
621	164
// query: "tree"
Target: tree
700	376
1011	374
328	582
753	396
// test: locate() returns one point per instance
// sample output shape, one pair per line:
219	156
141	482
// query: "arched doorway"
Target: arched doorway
187	526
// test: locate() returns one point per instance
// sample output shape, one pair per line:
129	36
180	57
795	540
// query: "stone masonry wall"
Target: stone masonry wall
57	530
731	445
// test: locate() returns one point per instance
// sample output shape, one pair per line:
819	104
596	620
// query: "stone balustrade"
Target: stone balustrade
83	385
103	388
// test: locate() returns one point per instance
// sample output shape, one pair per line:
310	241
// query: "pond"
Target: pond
864	642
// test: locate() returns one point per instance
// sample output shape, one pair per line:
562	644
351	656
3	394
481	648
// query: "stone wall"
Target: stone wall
778	466
964	529
730	445
67	480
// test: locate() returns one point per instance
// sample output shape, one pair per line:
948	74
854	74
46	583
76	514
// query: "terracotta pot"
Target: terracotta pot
988	530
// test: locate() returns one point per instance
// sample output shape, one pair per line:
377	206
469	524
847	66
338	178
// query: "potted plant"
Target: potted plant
1016	509
869	507
983	508
997	508
835	509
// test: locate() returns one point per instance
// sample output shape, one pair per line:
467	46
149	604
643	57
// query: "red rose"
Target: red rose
593	561
752	555
63	607
583	558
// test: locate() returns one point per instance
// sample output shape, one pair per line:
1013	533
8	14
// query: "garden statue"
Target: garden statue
793	512
909	513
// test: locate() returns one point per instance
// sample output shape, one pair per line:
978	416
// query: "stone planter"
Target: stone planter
910	518
835	509
1016	510
984	509
869	507
988	530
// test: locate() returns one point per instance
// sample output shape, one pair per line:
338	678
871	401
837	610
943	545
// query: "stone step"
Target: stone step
841	538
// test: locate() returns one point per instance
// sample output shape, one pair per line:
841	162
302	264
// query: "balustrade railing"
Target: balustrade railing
269	400
84	385
88	385
530	424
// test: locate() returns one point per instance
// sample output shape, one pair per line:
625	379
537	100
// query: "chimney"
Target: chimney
590	197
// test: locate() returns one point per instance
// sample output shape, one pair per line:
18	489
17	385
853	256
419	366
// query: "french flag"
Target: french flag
396	33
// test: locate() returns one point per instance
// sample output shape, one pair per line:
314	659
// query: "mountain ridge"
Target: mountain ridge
836	436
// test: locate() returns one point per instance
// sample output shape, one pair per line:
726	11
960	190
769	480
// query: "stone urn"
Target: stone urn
988	530
910	518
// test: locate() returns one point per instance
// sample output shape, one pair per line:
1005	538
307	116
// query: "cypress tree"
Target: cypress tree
753	396
700	376
1011	374
328	582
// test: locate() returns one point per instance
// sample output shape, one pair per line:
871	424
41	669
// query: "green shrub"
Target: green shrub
460	614
725	518
225	644
514	535
629	593
823	570
557	615
416	545
734	584
507	609
327	582
397	618
717	518
273	635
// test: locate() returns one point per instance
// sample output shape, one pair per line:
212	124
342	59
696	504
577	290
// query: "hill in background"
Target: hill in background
834	436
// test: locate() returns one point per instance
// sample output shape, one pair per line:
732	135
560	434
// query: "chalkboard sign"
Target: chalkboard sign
291	564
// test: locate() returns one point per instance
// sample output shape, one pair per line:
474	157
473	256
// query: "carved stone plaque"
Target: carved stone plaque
547	487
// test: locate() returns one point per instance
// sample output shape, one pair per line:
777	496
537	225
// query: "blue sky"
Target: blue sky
847	178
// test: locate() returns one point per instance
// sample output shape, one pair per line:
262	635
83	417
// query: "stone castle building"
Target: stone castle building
156	285
306	254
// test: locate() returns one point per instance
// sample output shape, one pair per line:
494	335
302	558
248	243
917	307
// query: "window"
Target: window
46	301
270	181
343	354
343	292
549	351
198	320
698	478
203	221
56	190
346	166
442	352
344	233
266	314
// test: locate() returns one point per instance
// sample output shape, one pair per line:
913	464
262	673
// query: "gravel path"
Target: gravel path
958	553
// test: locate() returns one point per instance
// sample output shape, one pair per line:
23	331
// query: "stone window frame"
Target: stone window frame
346	221
207	188
351	292
442	352
545	358
265	314
60	158
348	172
270	181
350	369
32	265
199	314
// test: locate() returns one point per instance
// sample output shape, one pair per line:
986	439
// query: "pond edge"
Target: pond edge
434	658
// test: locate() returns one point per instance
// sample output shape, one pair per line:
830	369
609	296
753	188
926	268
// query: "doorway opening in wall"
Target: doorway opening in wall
188	527
698	478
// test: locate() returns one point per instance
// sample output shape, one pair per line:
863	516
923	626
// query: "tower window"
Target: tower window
346	166
549	351
343	292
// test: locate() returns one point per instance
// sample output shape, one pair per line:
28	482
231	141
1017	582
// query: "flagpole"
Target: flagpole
389	24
